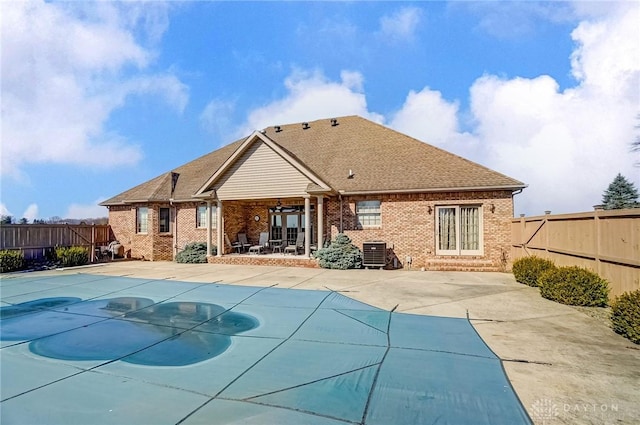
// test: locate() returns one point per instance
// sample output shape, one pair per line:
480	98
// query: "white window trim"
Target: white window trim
138	222
459	251
379	213
214	217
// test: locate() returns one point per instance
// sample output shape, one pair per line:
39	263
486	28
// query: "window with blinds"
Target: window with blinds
368	214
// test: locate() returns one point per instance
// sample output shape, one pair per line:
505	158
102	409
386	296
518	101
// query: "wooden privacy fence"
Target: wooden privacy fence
606	242
36	240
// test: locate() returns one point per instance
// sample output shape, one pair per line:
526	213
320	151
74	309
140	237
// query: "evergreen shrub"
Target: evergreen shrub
625	315
527	269
11	260
72	256
574	286
340	254
195	252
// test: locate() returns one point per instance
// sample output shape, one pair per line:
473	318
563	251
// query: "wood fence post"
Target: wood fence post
598	231
547	242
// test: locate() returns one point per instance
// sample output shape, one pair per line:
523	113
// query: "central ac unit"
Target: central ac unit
374	254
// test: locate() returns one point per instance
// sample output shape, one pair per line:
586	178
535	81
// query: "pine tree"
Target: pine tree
621	193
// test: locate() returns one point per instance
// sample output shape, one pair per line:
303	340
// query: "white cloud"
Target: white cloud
567	145
92	210
216	118
310	96
427	116
4	210
31	213
516	19
401	25
65	68
607	60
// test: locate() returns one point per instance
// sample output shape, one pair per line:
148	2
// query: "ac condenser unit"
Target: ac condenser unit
374	254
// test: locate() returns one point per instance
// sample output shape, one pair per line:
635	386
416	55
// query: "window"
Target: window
368	213
458	230
201	217
288	221
142	219
164	223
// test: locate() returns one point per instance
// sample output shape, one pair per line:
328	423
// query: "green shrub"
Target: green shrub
574	286
11	260
340	254
195	252
527	269
72	256
625	315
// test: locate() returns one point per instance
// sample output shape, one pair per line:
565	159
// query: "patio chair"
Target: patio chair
297	246
262	243
235	245
242	239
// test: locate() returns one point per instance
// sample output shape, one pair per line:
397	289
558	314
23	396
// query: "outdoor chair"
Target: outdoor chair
235	245
298	245
242	240
262	243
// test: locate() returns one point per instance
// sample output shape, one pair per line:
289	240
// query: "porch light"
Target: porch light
429	210
278	205
492	208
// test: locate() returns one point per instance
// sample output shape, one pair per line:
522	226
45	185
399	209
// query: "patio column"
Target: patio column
208	228
320	227
220	229
307	226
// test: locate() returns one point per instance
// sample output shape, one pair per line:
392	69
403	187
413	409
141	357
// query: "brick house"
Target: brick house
433	209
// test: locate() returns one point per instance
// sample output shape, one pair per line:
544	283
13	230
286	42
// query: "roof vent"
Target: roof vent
334	122
277	128
263	131
305	125
351	174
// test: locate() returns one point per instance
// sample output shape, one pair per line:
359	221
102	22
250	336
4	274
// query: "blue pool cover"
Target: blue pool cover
98	349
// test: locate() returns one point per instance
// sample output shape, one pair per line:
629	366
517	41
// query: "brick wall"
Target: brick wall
150	246
409	229
408	226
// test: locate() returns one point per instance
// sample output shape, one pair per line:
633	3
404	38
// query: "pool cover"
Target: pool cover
97	349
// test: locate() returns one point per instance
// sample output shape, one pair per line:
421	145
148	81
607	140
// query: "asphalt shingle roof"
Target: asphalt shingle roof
381	160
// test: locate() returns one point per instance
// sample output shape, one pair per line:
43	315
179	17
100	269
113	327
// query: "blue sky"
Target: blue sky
99	97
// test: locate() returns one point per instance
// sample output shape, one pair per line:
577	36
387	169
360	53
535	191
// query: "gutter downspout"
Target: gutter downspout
340	197
175	228
513	194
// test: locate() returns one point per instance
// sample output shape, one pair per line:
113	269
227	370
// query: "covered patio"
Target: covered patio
279	222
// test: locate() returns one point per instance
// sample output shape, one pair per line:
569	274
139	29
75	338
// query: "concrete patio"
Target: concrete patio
565	366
